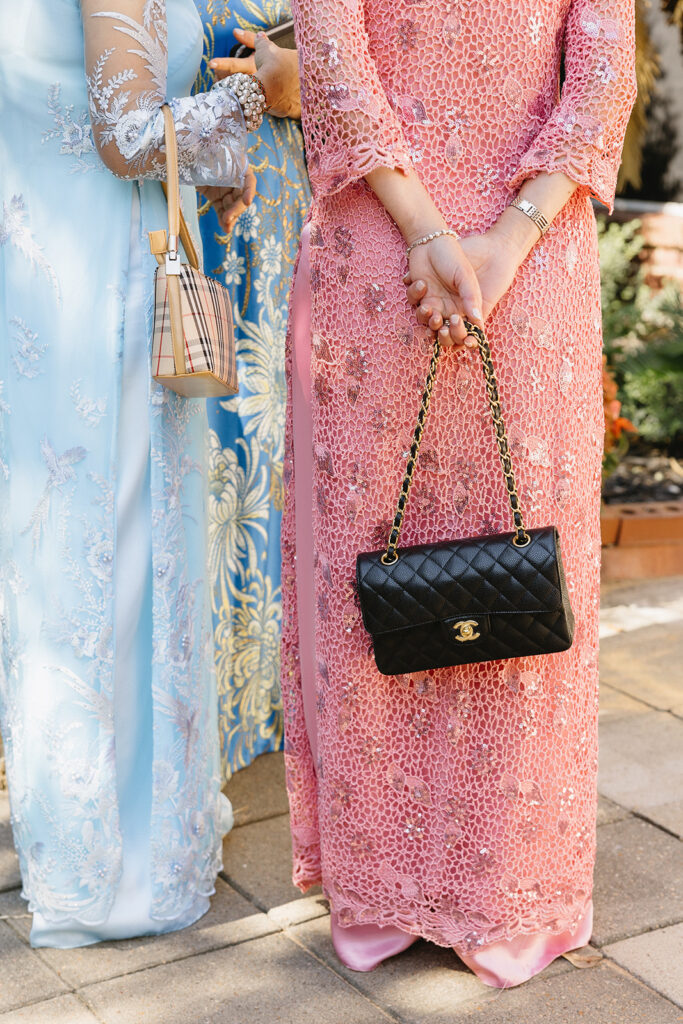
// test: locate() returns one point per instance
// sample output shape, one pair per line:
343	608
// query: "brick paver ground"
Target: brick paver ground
263	953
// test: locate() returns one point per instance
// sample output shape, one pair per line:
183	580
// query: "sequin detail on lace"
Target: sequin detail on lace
468	806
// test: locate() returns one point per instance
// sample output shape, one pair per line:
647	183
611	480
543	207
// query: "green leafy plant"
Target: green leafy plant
643	342
625	296
652	388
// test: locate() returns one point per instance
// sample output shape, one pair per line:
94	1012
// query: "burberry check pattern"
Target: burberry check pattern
207	327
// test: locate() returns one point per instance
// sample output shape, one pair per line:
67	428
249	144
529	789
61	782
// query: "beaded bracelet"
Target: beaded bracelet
249	92
430	238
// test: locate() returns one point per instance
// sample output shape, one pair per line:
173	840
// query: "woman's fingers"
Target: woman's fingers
423	314
229	215
263	46
222	67
428	315
466	285
453	331
415	291
278	72
244	36
458	332
250	188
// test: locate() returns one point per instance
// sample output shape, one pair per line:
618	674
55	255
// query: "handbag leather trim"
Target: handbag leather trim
175	313
202	384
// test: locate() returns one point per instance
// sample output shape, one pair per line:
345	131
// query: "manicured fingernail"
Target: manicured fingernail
476	313
470	342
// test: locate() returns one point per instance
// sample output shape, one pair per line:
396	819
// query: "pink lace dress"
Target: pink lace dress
457	805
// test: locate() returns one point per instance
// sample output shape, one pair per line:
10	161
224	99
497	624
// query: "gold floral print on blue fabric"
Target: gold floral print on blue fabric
256	263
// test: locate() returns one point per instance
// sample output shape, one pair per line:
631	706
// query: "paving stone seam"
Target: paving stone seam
236	885
612	965
86	1003
639	700
74	990
662	828
634	976
50	999
645	710
634	935
389	1014
244	893
91	1009
621	807
9	918
255	821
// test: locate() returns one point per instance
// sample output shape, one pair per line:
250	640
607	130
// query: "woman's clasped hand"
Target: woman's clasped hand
477	271
445	288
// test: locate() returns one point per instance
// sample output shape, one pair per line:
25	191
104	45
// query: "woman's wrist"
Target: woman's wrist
516	233
407	201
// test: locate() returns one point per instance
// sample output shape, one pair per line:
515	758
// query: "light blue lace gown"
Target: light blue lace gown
107	688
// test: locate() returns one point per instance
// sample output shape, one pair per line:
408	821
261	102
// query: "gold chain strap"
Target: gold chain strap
521	538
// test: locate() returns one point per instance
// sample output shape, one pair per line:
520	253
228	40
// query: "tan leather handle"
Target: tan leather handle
177	227
172	178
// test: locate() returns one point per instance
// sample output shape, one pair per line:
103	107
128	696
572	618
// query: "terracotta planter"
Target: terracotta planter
609	525
642	540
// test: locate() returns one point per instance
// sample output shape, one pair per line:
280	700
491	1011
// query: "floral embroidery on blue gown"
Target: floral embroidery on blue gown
247	432
107	682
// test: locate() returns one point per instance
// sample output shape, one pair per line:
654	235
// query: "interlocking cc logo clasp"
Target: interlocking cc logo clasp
465	630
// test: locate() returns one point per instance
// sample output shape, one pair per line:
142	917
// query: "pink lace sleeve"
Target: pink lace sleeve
585	133
349	124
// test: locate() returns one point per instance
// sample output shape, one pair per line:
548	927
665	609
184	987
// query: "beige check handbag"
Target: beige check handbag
193	349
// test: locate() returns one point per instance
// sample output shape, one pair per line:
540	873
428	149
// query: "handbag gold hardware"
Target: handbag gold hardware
521	538
465	631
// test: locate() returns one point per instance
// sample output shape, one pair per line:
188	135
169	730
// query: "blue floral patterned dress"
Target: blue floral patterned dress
107	685
247	432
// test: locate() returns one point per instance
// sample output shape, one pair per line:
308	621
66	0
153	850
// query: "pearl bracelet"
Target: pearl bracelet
251	96
430	238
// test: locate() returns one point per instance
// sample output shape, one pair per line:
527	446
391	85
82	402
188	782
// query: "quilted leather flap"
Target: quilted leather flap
477	575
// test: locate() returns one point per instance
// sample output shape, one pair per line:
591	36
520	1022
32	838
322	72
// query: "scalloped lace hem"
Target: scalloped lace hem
204	889
327	181
585	179
463	938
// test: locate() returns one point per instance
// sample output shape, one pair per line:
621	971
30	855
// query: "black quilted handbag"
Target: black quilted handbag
463	601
